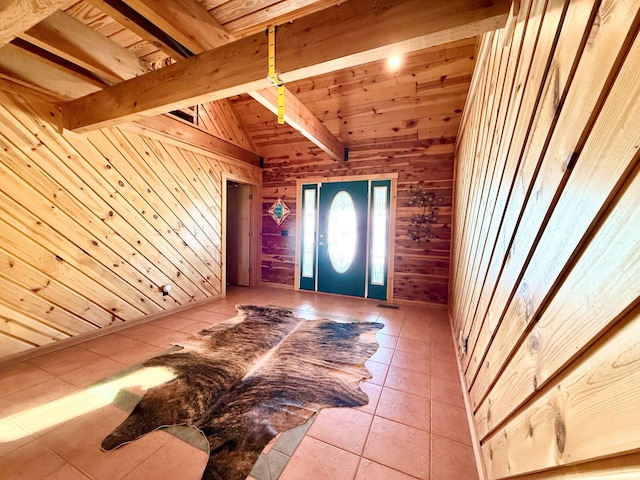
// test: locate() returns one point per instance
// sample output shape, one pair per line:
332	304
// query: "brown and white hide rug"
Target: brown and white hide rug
244	380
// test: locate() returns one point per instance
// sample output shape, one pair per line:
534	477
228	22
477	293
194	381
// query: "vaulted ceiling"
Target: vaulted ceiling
111	61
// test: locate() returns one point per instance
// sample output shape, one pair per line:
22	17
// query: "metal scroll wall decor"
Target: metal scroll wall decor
422	224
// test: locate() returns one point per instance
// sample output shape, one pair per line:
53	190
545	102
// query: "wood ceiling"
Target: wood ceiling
110	61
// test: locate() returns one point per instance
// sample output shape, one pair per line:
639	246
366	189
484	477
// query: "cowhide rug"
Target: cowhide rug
244	380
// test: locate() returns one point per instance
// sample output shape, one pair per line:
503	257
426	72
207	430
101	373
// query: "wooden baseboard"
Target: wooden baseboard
85	337
394	301
475	439
418	303
276	285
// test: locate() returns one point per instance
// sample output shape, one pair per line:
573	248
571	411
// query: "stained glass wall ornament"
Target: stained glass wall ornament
279	211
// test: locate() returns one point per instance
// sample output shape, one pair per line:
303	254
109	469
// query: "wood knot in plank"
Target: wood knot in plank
595	28
561	433
534	342
526	301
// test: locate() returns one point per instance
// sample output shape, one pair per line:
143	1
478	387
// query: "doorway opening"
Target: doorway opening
238	234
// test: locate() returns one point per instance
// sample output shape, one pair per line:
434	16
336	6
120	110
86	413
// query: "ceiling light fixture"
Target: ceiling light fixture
394	62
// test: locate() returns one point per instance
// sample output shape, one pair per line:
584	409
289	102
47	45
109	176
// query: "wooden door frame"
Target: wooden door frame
393	177
255	226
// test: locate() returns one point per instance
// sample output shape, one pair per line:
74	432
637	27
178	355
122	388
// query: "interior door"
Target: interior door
342	238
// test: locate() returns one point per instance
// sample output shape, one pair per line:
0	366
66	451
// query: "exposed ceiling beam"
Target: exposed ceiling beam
58	77
301	119
68	38
132	20
186	21
40	55
277	14
16	16
352	34
163	24
192	25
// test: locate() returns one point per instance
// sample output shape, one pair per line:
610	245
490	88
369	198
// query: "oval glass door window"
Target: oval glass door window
342	232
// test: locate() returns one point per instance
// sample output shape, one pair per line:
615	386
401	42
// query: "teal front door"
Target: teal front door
345	238
342	238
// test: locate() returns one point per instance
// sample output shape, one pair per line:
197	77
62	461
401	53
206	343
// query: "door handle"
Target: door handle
321	243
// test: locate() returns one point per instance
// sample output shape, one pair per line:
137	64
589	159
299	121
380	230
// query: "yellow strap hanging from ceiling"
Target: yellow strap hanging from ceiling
273	76
281	104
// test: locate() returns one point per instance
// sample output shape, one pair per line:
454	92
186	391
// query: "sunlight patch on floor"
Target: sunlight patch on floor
71	406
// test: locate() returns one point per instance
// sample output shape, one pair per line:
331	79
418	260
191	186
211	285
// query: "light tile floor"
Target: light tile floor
56	409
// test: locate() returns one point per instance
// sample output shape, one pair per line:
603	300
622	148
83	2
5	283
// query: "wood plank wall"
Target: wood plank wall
403	122
545	283
92	227
421	270
219	118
